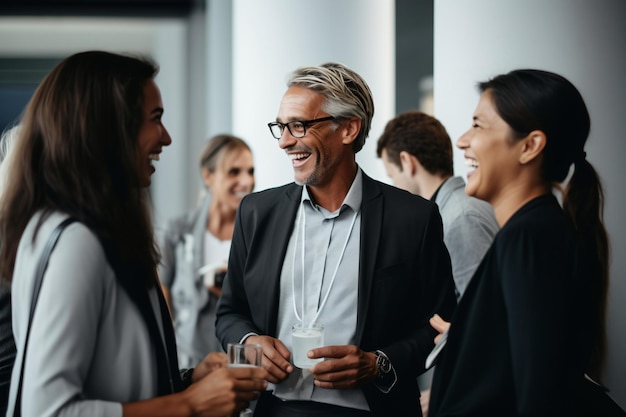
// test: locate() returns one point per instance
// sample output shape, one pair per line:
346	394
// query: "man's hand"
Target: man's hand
225	391
211	362
439	324
344	367
275	357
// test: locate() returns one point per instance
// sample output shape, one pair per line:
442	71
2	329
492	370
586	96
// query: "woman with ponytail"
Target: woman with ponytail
531	323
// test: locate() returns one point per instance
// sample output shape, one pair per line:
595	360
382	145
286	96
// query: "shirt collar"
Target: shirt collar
434	196
353	198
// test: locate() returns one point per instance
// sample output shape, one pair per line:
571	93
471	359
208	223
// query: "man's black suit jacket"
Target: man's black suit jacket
404	278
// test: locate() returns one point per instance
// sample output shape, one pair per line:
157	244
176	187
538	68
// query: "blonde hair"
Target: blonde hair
346	94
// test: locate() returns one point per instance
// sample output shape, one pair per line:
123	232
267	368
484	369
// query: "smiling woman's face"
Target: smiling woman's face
490	149
152	136
232	179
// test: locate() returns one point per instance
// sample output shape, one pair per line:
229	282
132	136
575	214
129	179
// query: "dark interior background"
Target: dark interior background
97	7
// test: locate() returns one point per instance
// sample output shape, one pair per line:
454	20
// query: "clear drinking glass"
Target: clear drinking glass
242	356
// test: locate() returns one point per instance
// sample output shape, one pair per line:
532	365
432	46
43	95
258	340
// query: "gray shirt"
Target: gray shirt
469	226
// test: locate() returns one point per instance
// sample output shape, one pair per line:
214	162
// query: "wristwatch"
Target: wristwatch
382	363
185	377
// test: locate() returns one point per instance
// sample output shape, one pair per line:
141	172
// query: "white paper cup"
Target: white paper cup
304	337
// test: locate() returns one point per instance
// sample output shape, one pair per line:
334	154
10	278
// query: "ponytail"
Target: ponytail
583	201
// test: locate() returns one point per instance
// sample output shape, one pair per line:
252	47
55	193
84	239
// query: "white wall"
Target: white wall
580	39
62	36
271	38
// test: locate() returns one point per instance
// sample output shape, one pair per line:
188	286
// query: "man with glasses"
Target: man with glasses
337	248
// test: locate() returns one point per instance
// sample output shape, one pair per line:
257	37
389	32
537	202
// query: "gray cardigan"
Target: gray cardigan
182	252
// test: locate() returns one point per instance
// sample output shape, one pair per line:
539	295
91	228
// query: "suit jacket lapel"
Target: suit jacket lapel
371	225
281	228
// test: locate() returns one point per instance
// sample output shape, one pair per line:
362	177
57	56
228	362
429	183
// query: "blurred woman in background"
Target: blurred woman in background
195	247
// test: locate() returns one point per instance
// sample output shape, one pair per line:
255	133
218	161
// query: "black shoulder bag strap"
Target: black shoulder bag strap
41	268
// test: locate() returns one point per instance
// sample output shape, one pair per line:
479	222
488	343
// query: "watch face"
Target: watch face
383	363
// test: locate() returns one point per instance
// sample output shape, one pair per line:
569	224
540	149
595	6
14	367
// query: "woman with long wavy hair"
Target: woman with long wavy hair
101	340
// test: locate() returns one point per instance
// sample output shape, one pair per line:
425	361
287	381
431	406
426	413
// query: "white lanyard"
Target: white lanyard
301	219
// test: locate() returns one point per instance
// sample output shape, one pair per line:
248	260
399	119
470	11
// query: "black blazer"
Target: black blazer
404	278
521	337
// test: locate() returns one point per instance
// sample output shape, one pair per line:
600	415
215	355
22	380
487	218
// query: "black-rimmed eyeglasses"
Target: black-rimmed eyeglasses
297	128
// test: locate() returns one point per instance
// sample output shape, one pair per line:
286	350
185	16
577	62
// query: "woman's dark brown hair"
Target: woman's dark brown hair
76	154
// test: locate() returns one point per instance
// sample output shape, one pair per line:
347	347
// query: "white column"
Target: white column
271	38
169	195
581	40
219	65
